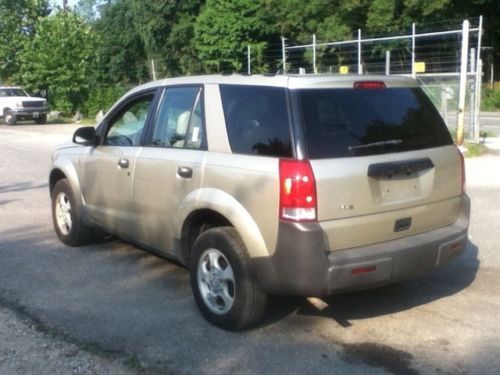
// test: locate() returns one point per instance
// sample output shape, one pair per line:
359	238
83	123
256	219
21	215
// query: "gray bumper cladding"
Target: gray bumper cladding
302	265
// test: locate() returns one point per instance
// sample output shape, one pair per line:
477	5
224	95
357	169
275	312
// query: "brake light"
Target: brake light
362	85
462	170
298	198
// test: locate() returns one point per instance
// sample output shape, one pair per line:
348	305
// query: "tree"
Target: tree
224	28
167	31
121	54
58	59
18	20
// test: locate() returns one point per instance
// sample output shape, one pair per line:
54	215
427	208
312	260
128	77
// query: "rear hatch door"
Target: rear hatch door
384	162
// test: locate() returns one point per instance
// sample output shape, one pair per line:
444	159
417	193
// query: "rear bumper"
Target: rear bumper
302	265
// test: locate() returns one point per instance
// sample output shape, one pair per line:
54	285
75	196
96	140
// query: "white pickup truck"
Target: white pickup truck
17	105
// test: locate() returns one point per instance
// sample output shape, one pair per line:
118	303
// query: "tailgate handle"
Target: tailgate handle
399	168
402	224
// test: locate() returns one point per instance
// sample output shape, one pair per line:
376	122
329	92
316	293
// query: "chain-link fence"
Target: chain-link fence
446	60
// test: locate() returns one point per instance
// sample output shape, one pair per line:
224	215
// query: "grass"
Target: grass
474	149
59	120
88	121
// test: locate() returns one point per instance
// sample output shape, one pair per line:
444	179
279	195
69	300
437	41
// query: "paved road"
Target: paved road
488	121
121	299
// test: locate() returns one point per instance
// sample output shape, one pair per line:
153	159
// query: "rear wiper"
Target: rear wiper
390	142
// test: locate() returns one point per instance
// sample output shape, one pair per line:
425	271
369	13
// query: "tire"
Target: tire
41	120
66	216
9	117
223	285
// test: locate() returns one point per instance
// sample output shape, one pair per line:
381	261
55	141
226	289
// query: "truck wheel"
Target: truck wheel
223	285
9	117
41	120
67	218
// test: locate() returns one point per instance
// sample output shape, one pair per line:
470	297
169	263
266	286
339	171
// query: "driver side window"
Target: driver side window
126	128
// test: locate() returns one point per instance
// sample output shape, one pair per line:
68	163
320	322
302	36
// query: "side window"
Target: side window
126	128
257	120
180	119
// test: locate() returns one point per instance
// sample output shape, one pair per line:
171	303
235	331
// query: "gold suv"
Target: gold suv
298	185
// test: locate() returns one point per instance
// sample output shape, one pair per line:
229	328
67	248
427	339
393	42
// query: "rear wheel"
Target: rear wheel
9	117
66	216
42	119
223	285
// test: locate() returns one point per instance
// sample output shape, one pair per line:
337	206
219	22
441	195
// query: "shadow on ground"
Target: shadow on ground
22	186
443	282
117	297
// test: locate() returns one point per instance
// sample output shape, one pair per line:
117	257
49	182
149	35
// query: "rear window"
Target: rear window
357	122
257	120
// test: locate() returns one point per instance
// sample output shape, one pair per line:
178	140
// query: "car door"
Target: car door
108	169
169	166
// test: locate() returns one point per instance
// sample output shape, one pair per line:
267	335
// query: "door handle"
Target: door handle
184	172
123	163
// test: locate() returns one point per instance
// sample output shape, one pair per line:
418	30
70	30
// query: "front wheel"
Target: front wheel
67	218
223	285
9	117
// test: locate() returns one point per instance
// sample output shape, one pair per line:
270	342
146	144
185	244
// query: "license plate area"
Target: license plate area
400	180
36	114
398	189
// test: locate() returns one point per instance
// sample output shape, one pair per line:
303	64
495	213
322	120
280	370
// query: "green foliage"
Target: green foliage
329	20
18	20
490	99
223	30
474	149
58	60
121	55
85	59
167	31
103	97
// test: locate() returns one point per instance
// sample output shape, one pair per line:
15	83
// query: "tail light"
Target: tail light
298	200
369	85
462	170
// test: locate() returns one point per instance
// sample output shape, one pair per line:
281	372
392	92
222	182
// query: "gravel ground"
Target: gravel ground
27	347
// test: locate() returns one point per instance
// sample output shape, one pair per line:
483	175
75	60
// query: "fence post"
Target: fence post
314	54
283	53
463	83
360	67
249	61
479	68
153	70
413	74
479	77
472	95
387	62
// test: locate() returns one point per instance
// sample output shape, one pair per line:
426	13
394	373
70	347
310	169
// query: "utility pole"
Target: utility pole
65	4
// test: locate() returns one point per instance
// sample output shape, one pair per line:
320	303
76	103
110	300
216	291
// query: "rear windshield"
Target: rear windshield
357	122
257	120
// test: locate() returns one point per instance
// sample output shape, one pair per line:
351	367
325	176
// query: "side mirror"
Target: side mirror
85	136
